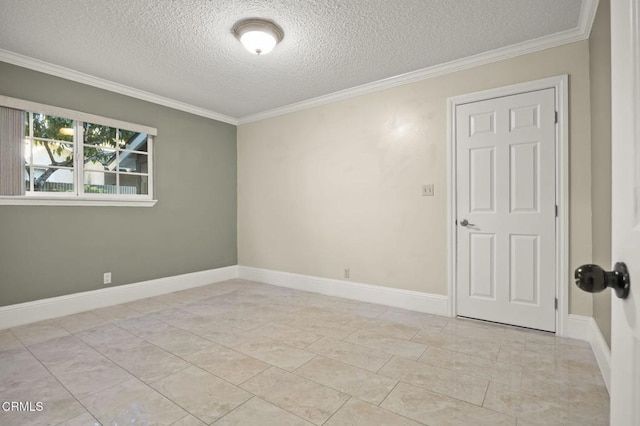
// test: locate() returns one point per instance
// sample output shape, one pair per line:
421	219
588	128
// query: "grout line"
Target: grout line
389	393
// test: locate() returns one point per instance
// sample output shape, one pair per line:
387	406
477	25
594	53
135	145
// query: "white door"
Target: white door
505	154
625	110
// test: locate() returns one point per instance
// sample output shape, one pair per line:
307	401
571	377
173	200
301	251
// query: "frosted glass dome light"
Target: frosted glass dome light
258	36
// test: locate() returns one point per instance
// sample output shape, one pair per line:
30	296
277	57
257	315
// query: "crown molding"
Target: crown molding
79	77
581	32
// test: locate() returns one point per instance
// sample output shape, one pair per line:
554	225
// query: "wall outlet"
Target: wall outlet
107	278
427	190
347	272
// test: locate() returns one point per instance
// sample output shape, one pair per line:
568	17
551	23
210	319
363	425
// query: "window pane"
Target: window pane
133	141
98	158
130	162
95	134
100	183
52	179
133	184
51	127
52	154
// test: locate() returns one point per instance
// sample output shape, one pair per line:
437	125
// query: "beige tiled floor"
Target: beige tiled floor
243	353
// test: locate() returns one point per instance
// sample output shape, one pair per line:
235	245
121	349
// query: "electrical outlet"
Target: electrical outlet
107	278
427	190
347	272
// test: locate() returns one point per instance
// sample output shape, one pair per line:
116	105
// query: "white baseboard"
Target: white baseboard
585	328
602	353
405	299
38	310
577	327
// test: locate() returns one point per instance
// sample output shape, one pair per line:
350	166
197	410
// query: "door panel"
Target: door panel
625	214
523	267
482	276
505	154
524	177
481	180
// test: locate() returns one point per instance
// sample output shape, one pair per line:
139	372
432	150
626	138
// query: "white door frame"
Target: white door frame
561	86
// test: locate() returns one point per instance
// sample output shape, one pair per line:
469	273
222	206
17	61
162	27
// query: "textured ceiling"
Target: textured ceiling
184	49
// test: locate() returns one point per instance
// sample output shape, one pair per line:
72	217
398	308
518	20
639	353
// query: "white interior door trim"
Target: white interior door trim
561	86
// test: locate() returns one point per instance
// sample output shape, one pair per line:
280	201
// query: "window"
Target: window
72	158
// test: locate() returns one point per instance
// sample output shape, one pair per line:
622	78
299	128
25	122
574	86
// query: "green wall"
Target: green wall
53	251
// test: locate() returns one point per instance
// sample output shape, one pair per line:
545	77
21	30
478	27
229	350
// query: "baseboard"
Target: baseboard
577	327
405	299
585	328
38	310
602	352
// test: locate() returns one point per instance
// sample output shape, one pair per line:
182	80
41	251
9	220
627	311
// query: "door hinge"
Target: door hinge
556	303
556	117
556	210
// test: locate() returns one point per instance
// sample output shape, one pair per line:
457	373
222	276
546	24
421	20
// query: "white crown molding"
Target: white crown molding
79	77
405	299
581	32
43	309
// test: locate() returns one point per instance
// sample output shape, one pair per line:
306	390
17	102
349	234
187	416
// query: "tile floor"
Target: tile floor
244	353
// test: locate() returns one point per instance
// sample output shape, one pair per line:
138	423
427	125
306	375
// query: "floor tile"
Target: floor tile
84	419
57	404
9	341
275	353
323	327
189	421
132	402
355	355
80	368
473	365
518	403
209	329
19	369
385	328
230	365
436	409
171	339
304	398
38	332
116	313
289	335
202	394
359	413
147	362
460	344
139	357
80	322
448	382
258	412
390	345
347	379
413	319
146	306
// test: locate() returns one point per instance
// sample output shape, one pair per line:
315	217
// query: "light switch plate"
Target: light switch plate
427	190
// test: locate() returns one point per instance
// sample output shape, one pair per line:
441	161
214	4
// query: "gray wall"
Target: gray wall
53	251
600	70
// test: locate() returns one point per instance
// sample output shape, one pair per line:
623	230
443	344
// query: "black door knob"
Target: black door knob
594	279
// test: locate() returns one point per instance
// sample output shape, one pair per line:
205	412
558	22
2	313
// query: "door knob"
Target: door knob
465	222
594	279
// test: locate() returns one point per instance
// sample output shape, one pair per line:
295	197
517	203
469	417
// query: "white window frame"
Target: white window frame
79	197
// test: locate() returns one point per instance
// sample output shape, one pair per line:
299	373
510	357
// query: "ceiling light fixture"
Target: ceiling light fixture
258	36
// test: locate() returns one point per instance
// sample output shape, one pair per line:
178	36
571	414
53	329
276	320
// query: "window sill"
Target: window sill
81	202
